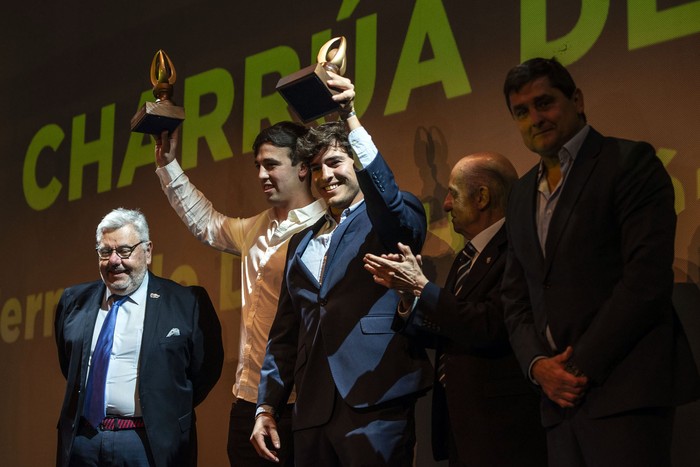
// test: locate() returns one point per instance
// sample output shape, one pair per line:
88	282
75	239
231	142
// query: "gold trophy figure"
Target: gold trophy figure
306	91
334	58
155	117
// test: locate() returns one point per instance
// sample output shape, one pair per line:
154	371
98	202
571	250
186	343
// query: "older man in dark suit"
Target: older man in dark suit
139	353
484	411
587	286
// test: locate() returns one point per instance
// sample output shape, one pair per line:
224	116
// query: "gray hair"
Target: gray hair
121	217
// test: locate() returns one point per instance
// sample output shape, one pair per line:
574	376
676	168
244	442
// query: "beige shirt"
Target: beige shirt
261	242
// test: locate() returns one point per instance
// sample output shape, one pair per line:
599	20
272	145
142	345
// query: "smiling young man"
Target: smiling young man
356	380
261	242
139	352
588	281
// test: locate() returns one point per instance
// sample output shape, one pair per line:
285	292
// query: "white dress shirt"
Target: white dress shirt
121	388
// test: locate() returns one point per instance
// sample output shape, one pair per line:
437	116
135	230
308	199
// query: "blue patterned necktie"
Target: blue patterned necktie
464	260
95	388
466	257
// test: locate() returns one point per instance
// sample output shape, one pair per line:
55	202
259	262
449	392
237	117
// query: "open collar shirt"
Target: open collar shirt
261	242
314	256
547	200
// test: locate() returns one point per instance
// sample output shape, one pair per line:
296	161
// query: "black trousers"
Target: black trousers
638	438
241	452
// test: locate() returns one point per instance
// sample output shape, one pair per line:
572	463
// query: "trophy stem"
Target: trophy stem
328	66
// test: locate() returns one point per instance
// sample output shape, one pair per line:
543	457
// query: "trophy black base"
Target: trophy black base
307	93
156	117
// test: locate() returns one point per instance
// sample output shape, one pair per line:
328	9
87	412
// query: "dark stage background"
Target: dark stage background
428	75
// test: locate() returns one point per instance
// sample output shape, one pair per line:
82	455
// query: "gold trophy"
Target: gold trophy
306	91
155	117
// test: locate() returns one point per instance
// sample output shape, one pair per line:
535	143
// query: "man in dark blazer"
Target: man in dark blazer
356	380
587	285
166	355
484	413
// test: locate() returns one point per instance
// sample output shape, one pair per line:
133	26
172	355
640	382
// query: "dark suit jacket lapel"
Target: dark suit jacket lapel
343	233
150	320
526	211
306	237
483	262
92	307
452	275
579	174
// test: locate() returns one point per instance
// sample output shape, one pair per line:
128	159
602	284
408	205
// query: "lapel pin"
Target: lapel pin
154	295
488	260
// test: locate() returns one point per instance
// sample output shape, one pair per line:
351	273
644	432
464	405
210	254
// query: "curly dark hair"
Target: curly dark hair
320	138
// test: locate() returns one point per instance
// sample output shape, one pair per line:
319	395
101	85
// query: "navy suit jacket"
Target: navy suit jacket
175	373
487	405
603	284
337	335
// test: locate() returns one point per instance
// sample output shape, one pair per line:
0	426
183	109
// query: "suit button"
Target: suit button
323	302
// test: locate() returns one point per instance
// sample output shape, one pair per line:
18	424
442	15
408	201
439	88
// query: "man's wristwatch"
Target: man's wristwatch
268	409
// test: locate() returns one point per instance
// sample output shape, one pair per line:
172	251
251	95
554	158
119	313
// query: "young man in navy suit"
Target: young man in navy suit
357	381
588	281
162	356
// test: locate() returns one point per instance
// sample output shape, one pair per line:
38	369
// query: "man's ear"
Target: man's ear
149	253
577	97
483	198
303	170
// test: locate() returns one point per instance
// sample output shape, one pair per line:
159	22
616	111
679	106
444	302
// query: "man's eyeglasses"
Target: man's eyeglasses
122	251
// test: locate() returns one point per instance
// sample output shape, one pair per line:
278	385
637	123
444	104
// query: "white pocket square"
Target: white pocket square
173	332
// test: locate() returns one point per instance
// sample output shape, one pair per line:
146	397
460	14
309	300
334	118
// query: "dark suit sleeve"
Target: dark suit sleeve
70	321
396	216
277	375
59	318
644	209
466	321
474	317
518	314
208	351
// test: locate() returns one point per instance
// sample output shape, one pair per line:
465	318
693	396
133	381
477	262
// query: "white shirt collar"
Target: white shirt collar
483	238
138	296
